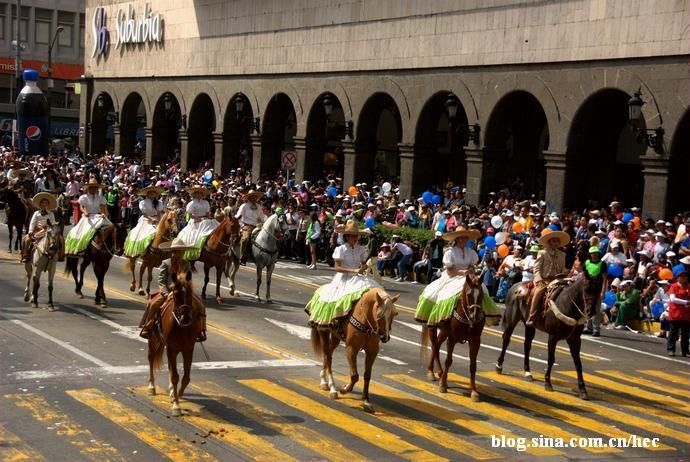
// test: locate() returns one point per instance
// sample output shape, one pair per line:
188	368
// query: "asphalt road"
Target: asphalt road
73	382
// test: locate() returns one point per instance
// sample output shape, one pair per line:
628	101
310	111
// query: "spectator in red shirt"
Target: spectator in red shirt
679	314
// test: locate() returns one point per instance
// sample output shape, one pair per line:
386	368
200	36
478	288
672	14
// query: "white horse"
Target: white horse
43	259
265	250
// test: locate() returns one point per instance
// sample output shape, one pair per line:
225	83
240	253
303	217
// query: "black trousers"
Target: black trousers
684	328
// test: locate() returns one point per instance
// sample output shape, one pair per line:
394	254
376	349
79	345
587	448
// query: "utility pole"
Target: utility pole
18	57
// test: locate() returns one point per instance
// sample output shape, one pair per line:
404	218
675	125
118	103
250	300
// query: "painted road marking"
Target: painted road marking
589	407
677	378
89	446
174	447
325	447
502	413
544	345
641	381
634	350
237	437
421	428
130	332
326	414
13	449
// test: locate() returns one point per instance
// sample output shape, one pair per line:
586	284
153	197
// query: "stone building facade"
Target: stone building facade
486	94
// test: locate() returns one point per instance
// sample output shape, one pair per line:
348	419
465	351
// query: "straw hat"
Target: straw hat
350	228
52	202
157	189
20	173
461	231
195	189
93	183
252	194
547	234
175	244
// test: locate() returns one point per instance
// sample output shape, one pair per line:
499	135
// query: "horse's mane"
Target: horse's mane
162	222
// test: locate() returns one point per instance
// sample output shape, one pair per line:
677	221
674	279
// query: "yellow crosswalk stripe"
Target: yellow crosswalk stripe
419	428
374	435
239	438
674	378
318	443
529	424
12	449
641	381
169	444
537	344
538	407
670	403
589	407
89	446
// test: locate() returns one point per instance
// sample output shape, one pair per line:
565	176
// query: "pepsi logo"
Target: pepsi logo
33	133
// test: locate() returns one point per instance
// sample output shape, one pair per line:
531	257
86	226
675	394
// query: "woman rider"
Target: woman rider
140	237
94	220
200	224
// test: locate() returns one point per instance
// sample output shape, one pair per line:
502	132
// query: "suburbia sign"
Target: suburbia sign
130	29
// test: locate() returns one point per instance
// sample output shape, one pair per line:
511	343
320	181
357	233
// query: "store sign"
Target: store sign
143	29
100	33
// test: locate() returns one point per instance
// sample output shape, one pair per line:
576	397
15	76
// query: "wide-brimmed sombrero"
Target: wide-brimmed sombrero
252	194
52	201
195	189
175	244
547	234
461	231
20	173
157	189
93	183
350	228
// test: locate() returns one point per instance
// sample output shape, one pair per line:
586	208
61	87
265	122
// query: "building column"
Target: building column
256	156
474	156
148	133
555	180
117	144
219	164
301	151
655	171
184	150
350	159
406	151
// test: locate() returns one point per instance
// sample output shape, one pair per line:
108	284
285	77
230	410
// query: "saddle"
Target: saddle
553	290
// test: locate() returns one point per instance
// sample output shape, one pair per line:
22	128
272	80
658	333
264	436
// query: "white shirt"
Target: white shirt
72	188
528	263
459	259
198	208
350	257
147	208
38	220
92	204
404	249
250	214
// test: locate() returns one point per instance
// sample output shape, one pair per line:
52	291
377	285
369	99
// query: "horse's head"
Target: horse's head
590	293
231	227
182	298
276	226
384	310
472	294
167	226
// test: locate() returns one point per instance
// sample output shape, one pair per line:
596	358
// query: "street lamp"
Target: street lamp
327	105
100	101
239	104
468	132
167	103
50	84
653	137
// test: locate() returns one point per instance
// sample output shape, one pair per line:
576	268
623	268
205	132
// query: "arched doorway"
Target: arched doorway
439	155
102	119
679	168
165	130
515	138
202	123
132	123
279	130
603	157
237	128
379	130
325	132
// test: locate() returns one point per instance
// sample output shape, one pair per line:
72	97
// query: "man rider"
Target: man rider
250	216
550	264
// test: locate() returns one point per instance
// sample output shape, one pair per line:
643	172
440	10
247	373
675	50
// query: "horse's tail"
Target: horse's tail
424	343
316	341
156	349
70	265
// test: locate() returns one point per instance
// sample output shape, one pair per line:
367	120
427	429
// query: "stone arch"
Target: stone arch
206	87
445	83
279	128
266	95
237	129
324	154
201	123
679	167
377	153
247	91
164	130
110	91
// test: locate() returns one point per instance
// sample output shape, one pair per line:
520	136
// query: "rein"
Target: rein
367	329
464	317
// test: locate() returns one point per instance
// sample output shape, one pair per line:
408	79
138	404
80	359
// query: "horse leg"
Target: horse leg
231	279
530	331
206	279
433	338
370	353
9	227
187	357
450	346
219	273
258	281
351	354
28	267
552	358
36	284
331	344
132	266
508	328
142	268
174	379
82	269
574	342
269	273
152	376
475	342
18	242
51	275
149	278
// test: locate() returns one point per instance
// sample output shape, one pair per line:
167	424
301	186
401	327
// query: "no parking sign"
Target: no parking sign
288	160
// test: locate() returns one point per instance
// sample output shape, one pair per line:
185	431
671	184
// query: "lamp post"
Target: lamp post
18	56
653	137
50	85
468	132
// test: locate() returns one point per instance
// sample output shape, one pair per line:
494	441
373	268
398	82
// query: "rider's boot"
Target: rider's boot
151	314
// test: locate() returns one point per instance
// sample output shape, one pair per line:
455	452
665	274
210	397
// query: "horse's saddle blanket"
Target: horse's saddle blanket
553	290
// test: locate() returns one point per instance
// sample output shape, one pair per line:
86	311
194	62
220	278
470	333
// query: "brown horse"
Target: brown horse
165	231
100	255
369	323
216	252
17	214
466	325
179	325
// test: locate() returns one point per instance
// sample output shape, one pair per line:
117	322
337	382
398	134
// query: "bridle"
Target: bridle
367	328
178	310
468	314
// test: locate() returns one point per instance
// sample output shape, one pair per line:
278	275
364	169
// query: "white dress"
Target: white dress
80	235
198	229
141	236
335	299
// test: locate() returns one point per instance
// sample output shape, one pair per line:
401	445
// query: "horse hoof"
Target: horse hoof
584	396
34	305
51	308
152	391
131	288
368	407
548	387
269	301
26	297
324	386
344	390
529	377
104	305
219	300
474	396
443	388
79	294
431	376
141	292
333	395
499	369
176	412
